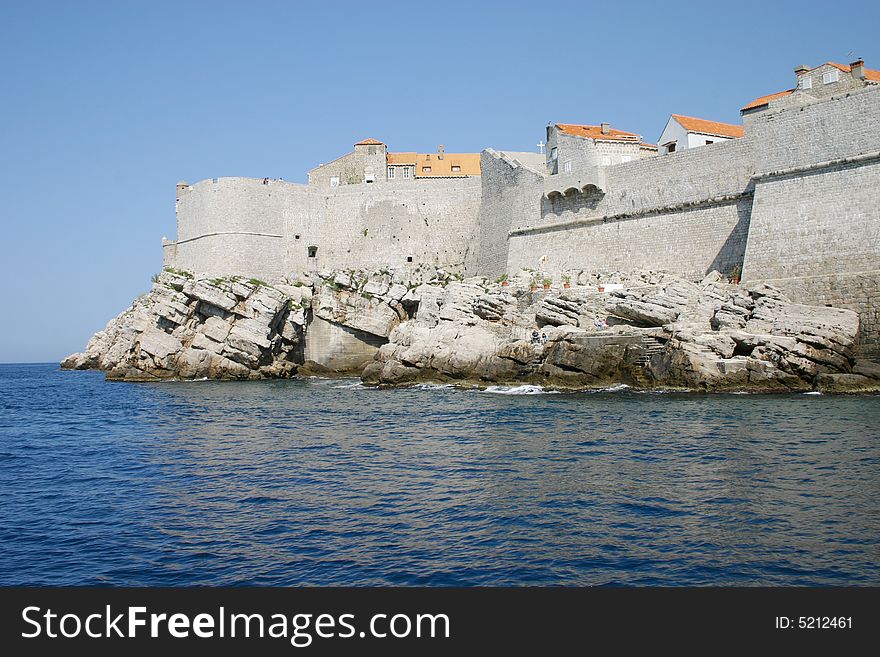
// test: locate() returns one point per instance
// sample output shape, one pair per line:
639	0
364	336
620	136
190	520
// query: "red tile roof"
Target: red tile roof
693	124
870	74
370	142
595	132
764	100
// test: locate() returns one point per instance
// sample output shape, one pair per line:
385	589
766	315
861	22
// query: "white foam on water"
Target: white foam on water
616	388
814	392
434	386
519	390
350	384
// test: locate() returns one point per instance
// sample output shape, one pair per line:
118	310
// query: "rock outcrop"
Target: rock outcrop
185	328
646	330
652	332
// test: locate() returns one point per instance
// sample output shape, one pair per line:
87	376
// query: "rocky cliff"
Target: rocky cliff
646	330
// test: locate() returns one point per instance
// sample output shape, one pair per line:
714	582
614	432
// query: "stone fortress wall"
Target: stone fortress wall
246	227
794	202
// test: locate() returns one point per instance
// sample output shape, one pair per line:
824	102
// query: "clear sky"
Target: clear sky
105	106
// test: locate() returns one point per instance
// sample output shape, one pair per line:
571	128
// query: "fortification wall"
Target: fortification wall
509	191
687	212
338	347
815	228
830	129
688	242
241	226
237	226
429	220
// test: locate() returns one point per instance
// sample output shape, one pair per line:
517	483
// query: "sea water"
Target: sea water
322	481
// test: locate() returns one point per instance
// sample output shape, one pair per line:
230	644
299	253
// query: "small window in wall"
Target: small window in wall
456	168
670	148
406	172
606	160
830	76
334	181
567	167
554	153
390	173
805	83
426	169
296	237
368	178
313	251
710	141
409	258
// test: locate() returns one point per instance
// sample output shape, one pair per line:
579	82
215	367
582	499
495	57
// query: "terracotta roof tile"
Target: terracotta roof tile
401	158
870	74
452	165
764	100
693	124
370	142
595	132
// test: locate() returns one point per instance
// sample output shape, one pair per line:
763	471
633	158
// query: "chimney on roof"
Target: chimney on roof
857	68
440	152
801	72
606	128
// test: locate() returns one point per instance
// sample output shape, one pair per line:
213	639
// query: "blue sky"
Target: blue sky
104	106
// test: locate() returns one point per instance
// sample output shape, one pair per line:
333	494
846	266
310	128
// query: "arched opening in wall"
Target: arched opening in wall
313	251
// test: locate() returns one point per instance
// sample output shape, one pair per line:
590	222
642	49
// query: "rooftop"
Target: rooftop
370	142
693	124
595	132
439	165
870	74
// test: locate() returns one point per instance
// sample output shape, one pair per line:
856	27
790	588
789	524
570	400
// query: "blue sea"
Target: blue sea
321	481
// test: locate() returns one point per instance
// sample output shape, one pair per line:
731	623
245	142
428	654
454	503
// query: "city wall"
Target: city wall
246	227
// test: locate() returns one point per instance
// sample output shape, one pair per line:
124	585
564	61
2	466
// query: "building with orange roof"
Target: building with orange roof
574	147
370	162
684	132
811	84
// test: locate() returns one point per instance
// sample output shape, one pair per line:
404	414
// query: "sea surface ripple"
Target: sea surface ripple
328	482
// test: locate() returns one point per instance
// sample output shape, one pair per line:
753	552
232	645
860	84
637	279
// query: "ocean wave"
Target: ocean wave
814	392
434	386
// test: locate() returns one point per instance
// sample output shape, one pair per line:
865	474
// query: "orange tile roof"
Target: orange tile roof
648	146
468	165
870	74
693	124
595	132
370	142
764	100
401	158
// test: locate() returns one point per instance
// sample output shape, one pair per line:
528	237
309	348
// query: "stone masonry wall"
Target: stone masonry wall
688	242
815	228
687	213
240	226
509	190
431	221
